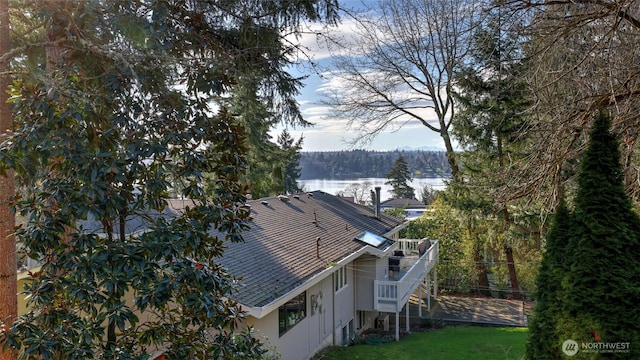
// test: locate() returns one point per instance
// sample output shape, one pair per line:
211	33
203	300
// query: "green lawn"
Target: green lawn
449	343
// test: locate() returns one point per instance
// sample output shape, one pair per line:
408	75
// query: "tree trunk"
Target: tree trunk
8	262
513	278
508	252
481	268
451	154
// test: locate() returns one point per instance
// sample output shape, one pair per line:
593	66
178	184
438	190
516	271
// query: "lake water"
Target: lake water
333	186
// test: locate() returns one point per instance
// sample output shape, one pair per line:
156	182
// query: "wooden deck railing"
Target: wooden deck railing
391	295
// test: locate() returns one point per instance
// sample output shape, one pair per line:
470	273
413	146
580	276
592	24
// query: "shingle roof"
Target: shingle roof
401	203
279	252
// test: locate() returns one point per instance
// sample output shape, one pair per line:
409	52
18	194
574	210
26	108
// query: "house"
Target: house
412	207
318	270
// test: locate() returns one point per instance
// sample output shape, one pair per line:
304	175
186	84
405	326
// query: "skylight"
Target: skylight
377	241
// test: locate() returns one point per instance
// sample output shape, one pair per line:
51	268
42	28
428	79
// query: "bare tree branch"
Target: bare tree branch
583	57
400	67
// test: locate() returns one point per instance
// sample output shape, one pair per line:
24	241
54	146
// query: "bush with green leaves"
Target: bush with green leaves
440	223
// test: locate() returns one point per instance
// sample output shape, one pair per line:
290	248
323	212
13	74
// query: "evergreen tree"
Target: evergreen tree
601	289
291	161
428	194
543	337
399	176
263	154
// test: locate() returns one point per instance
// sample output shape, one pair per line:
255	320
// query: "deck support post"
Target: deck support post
407	327
397	326
420	300
429	291
435	281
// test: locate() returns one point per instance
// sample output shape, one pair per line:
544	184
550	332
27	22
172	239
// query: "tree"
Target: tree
428	194
400	67
492	98
103	134
262	153
582	57
544	341
361	192
399	176
397	212
291	162
455	273
364	163
8	262
603	252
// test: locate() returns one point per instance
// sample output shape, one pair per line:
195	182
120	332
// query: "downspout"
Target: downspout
356	318
333	308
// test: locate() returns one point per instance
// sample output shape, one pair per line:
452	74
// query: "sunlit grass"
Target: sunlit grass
449	343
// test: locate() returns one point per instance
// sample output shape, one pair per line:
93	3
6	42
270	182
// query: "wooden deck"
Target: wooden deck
391	295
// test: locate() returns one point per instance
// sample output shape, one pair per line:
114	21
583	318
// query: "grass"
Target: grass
449	343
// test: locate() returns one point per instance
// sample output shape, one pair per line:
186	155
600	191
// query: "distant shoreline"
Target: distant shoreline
334	186
343	178
354	164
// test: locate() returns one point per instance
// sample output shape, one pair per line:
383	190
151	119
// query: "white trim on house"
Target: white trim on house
260	312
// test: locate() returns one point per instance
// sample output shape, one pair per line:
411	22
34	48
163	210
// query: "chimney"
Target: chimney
376	204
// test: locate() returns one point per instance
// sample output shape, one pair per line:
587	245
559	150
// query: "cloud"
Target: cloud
319	42
332	134
336	83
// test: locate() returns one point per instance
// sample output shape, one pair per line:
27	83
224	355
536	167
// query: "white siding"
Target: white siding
365	274
323	326
307	337
345	306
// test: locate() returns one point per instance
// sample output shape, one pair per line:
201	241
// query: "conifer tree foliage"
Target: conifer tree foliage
291	161
588	279
600	291
264	175
544	341
103	135
399	176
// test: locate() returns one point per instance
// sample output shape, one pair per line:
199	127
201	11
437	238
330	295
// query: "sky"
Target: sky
333	134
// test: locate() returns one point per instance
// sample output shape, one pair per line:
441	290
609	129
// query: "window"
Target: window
340	278
348	333
292	312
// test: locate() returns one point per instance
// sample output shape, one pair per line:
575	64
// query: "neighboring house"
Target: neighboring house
412	207
318	270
